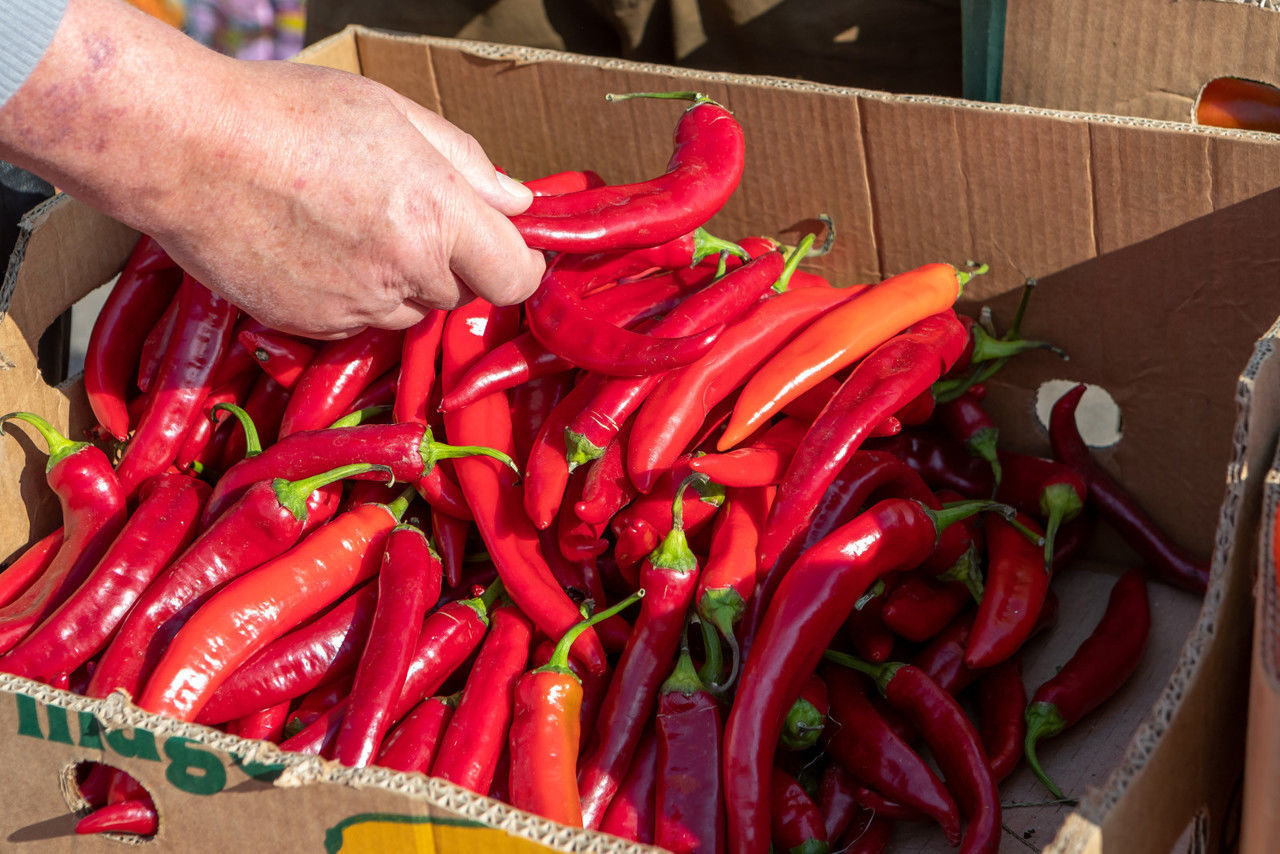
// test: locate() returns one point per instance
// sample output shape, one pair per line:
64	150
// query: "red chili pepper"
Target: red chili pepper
337	375
411	745
873	837
641	526
201	337
1002	704
281	356
548	467
134	817
865	627
198	450
420	350
868	748
796	822
157	531
1167	561
381	392
263	524
807	718
546	731
451	535
28	566
941	461
264	407
449	637
966	421
837	799
952	739
530	404
632	812
1102	663
813	599
509	536
919	606
1014	592
317	703
325	649
891	375
92	502
669	575
238	360
408	583
1043	488
264	725
155	343
762	463
607	489
256	608
477	732
704	170
689	792
137	300
574	539
564	182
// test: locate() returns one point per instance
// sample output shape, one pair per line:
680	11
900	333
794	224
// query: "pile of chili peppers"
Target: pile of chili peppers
693	548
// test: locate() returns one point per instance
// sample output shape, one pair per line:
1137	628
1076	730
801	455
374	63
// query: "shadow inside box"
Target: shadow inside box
58	827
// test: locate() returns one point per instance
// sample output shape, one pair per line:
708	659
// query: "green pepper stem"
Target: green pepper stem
433	452
695	97
713	654
722	608
956	511
706	244
60	447
559	661
579	450
1043	721
793	262
966	276
967	570
400	505
881	674
360	416
252	442
293	494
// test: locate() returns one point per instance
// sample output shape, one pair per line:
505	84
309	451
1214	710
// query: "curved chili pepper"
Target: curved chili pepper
256	608
408	583
844	335
1014	592
155	343
281	356
837	799
197	450
202	336
762	463
477	732
968	423
1046	489
641	526
450	535
411	744
689	803
952	739
136	301
919	606
135	817
813	599
575	539
509	536
632	813
546	731
607	489
564	182
92	503
264	407
263	524
337	375
796	822
865	627
705	167
728	580
530	404
890	375
669	575
1102	663
420	349
807	718
940	460
1167	560
311	655
449	637
548	466
160	527
264	725
1002	704
868	748
28	566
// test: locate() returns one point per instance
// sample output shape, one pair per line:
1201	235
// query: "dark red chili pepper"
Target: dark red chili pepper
263	524
311	655
546	731
607	489
202	336
640	527
318	702
868	748
281	356
952	739
940	460
530	404
632	812
966	421
92	503
408	583
1165	559
807	718
575	539
1043	488
134	817
548	467
136	302
451	535
813	599
865	627
449	637
238	360
689	793
158	530
564	182
508	535
871	837
411	744
337	375
1012	596
1002	704
155	343
761	463
420	350
919	606
837	799
796	821
889	376
28	566
705	167
477	732
669	575
264	725
1102	663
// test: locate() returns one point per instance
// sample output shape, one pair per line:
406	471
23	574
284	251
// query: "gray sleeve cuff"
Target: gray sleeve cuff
26	29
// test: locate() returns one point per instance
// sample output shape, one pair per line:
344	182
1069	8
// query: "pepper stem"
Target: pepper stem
1043	721
721	608
706	244
293	494
579	450
984	444
712	654
360	416
881	674
60	447
433	452
966	570
966	276
793	261
956	511
252	442
674	552
1061	502
696	97
684	678
559	661
401	502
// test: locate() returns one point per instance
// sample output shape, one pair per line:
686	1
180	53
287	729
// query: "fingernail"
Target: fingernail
514	188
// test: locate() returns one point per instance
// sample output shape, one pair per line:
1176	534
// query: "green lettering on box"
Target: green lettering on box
90	731
194	769
59	726
28	716
266	772
136	743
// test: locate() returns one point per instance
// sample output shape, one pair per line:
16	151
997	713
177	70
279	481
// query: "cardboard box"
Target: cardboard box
1157	273
1135	58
